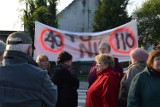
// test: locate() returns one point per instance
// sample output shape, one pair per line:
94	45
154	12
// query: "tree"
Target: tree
148	17
39	10
110	14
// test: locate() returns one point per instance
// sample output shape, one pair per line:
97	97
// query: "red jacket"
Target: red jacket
92	73
104	91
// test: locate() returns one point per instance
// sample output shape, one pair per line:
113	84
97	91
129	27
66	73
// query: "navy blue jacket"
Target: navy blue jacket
22	84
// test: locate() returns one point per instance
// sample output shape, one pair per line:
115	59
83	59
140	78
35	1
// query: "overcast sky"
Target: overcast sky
10	15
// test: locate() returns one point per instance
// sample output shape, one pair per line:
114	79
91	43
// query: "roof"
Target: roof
72	3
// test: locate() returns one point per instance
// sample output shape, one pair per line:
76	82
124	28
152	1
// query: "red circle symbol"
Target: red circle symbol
45	45
114	44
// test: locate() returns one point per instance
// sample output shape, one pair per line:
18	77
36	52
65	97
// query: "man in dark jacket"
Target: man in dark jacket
22	84
2	48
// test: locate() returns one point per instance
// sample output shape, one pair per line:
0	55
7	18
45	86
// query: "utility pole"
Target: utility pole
25	29
89	11
83	11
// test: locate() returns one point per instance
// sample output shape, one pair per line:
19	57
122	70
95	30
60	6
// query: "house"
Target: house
5	34
78	16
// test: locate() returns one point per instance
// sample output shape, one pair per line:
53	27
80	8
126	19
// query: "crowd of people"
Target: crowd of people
25	82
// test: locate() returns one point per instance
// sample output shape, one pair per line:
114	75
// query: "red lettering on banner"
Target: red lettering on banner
54	38
123	40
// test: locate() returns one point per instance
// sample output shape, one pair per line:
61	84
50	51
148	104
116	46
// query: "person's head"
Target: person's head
158	47
104	61
154	60
104	48
64	58
2	49
138	55
19	41
43	62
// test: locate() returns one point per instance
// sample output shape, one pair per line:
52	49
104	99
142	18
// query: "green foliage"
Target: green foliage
148	17
110	14
83	78
39	10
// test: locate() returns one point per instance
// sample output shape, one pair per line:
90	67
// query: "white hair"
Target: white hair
105	44
18	47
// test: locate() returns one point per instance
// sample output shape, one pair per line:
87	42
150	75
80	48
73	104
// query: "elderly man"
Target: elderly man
22	84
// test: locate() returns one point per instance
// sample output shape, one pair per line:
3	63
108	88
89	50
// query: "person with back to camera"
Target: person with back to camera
2	49
145	86
22	83
66	81
103	48
104	91
138	58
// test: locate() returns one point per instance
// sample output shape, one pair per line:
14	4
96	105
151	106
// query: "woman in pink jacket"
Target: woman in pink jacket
104	91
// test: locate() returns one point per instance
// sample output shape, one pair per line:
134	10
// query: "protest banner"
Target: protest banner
82	45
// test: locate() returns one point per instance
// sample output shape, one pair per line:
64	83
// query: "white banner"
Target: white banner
84	46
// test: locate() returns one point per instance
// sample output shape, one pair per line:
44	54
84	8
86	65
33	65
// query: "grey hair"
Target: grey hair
105	44
2	47
18	47
106	59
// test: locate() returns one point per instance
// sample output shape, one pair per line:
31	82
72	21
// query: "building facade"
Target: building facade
78	16
4	35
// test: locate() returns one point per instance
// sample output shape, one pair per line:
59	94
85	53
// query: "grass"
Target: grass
83	78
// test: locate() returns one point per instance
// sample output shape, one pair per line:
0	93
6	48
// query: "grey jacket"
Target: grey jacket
133	69
22	84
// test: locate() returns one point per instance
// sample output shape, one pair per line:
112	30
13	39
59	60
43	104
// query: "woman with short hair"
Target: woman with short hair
145	86
104	91
103	48
66	81
138	58
43	63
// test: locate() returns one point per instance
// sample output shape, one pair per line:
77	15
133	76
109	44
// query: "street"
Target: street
82	94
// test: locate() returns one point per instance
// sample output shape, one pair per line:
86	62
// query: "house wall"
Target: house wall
4	35
78	16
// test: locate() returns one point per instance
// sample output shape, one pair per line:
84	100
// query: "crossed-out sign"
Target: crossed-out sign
83	46
54	39
122	40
